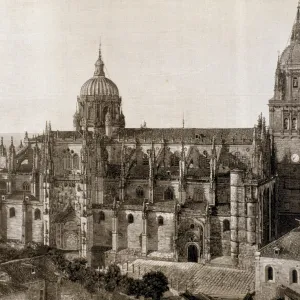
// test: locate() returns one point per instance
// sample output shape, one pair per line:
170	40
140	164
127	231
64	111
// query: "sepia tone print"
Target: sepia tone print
106	211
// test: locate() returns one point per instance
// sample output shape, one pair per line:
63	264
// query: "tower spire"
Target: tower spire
99	65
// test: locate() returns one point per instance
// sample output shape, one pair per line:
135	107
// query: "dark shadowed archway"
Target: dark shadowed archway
193	253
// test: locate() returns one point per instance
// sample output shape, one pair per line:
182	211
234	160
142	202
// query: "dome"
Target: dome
99	85
291	54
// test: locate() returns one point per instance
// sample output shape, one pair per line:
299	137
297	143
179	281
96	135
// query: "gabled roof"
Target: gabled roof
288	246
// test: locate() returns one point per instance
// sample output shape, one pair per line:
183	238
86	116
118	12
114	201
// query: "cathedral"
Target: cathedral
110	193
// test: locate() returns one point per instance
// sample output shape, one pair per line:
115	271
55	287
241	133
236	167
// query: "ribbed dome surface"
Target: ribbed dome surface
99	86
291	54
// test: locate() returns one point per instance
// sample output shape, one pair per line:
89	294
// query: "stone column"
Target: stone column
250	222
145	236
236	185
115	241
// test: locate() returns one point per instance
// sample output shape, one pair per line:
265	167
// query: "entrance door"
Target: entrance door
192	253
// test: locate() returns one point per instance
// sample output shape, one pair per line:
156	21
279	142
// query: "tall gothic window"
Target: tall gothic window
294	123
139	192
26	186
145	160
175	161
75	161
168	194
286	123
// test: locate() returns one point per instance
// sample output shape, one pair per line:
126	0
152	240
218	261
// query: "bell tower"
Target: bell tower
284	116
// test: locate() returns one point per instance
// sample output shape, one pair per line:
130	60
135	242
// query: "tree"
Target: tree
112	278
155	284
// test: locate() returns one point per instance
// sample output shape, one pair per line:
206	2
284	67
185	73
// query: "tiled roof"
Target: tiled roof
197	278
288	245
204	136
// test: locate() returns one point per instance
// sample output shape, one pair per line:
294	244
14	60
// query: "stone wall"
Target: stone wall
266	289
14	224
102	232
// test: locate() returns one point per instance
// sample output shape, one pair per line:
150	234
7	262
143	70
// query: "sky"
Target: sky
212	61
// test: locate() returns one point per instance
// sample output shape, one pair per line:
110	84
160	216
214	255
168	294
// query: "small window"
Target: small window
32	270
295	82
294	276
37	214
26	186
286	124
139	192
294	123
192	226
197	136
160	221
12	212
226	225
101	216
130	219
269	274
168	194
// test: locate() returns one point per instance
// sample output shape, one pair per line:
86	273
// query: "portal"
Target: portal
192	253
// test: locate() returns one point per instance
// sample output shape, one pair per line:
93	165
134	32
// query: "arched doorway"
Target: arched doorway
193	253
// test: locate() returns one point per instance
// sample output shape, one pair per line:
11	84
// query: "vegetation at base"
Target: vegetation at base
152	285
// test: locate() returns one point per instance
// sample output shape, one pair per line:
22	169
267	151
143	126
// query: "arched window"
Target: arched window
26	186
12	212
160	221
269	273
168	194
68	161
294	123
3	186
226	225
175	161
286	124
75	161
294	276
130	218
139	192
37	214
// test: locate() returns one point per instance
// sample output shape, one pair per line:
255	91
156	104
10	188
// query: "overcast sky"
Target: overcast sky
213	60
